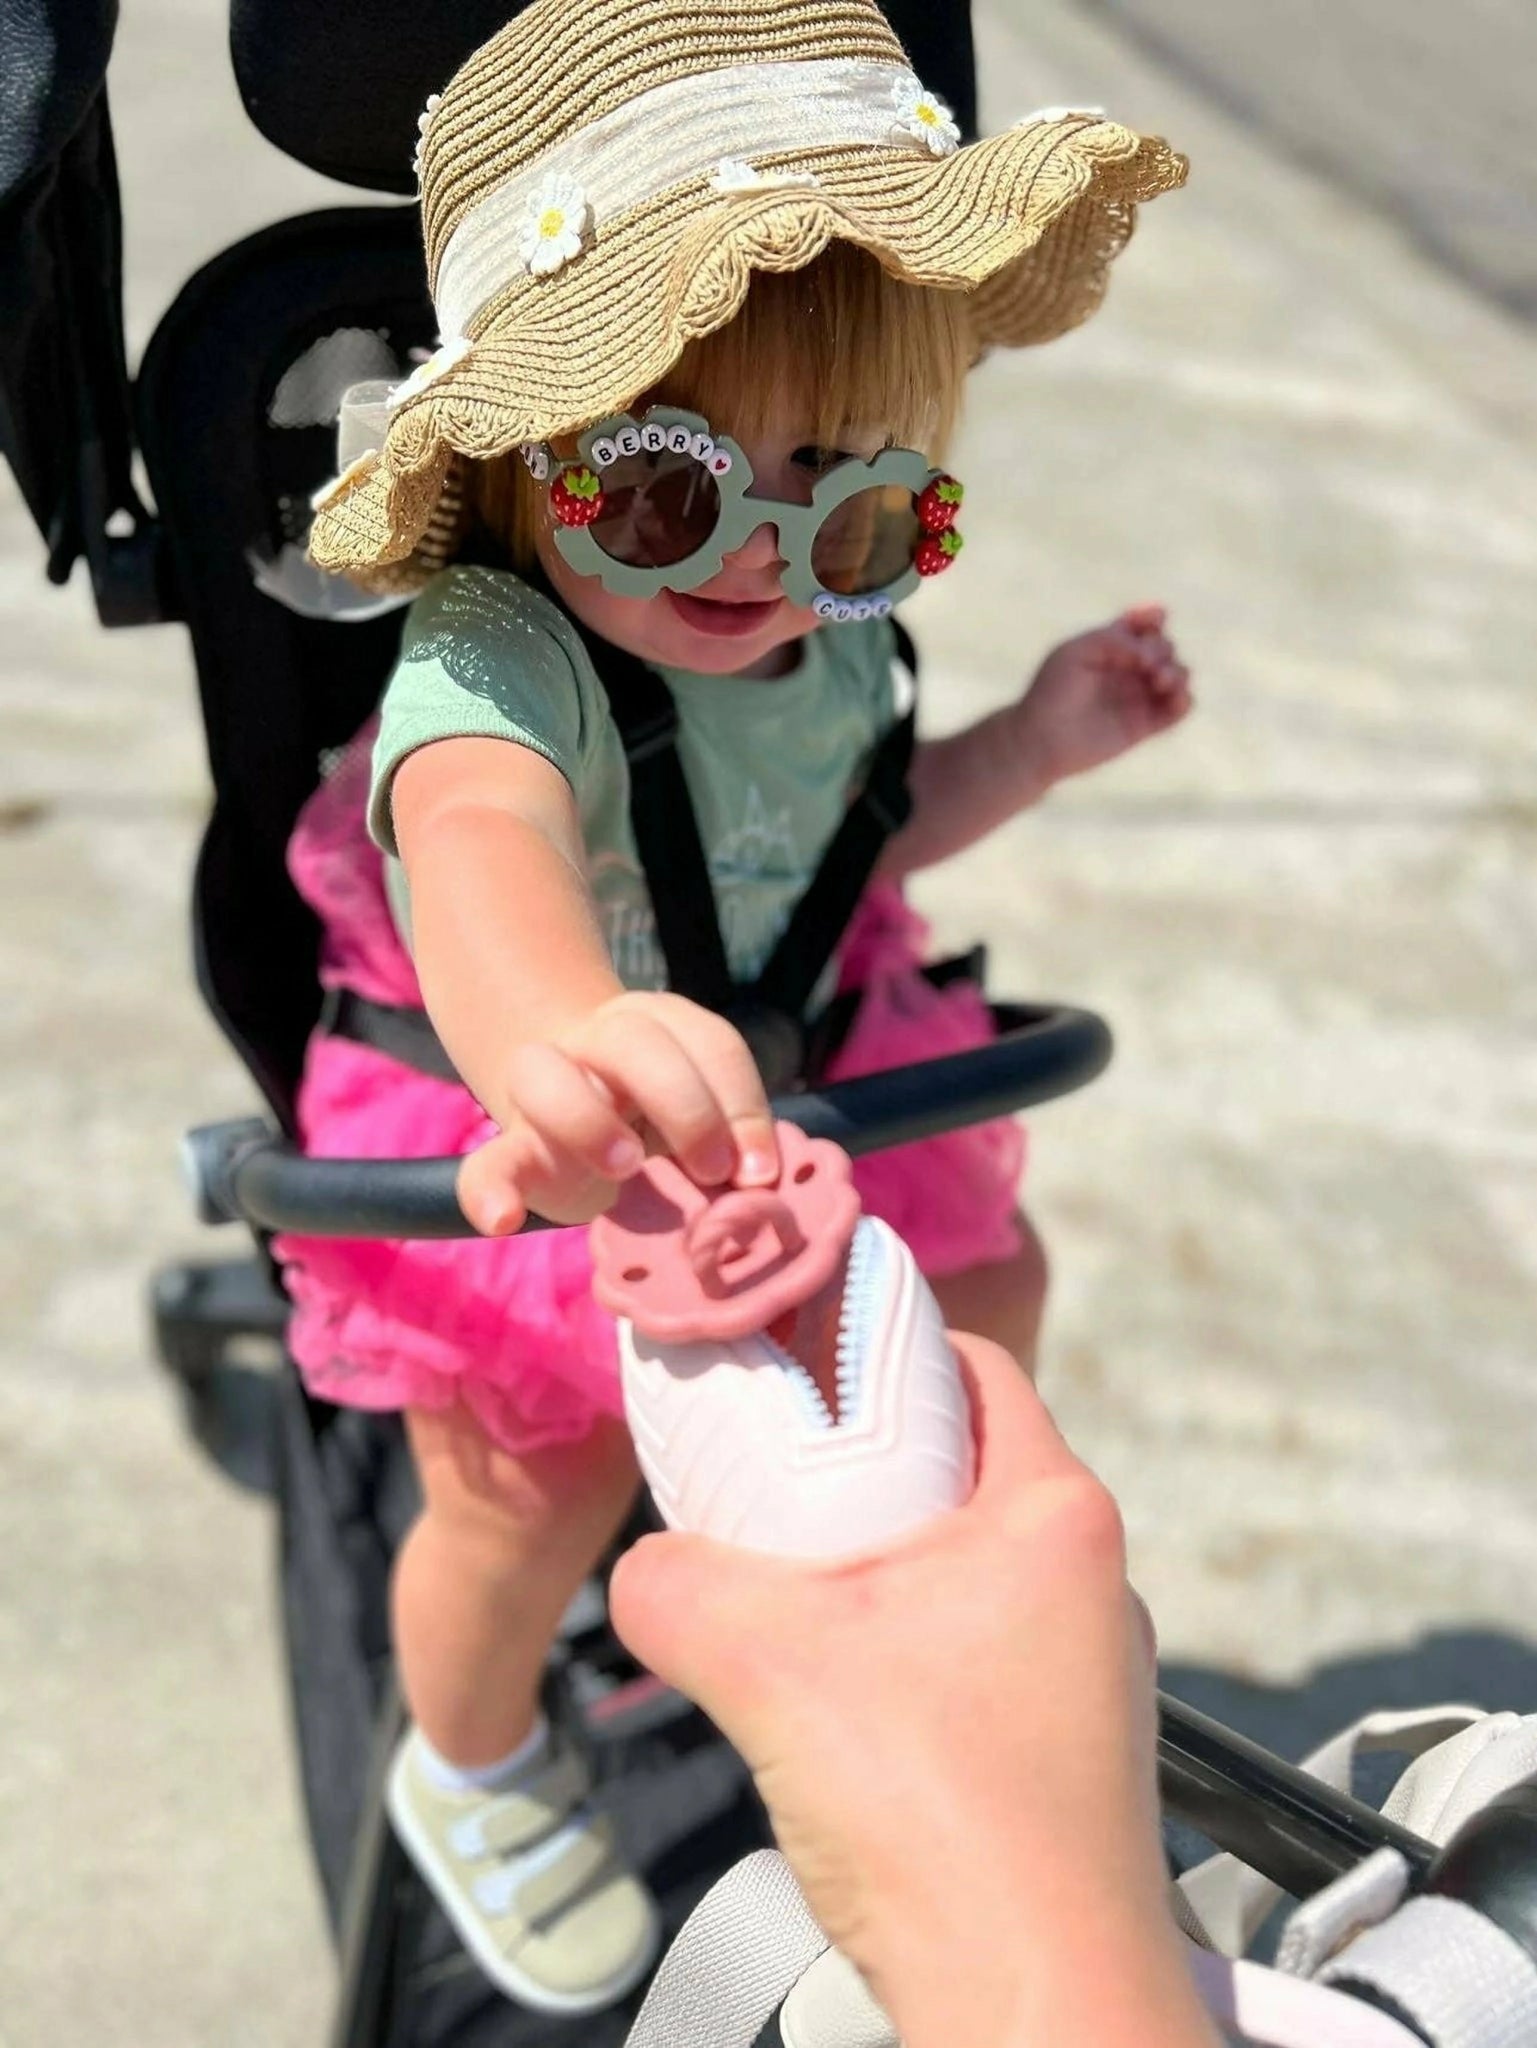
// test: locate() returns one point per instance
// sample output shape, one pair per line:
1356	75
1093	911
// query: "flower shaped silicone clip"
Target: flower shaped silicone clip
683	1264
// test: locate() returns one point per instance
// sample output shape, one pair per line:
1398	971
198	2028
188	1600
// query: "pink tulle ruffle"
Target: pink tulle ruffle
953	1197
508	1326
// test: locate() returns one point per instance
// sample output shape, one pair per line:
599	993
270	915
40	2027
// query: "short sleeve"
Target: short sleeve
483	656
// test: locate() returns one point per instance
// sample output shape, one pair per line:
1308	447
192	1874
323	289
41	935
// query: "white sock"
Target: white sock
483	1777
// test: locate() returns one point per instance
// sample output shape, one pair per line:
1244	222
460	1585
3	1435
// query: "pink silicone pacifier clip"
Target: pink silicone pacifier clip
787	1377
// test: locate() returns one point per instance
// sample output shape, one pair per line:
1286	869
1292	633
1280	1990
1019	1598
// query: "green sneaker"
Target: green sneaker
531	1878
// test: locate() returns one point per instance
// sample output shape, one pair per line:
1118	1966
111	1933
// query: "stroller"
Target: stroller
233	412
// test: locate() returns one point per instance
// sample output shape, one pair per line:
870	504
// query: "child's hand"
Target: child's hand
640	1068
1101	693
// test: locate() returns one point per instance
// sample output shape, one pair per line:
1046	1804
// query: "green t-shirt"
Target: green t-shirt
769	763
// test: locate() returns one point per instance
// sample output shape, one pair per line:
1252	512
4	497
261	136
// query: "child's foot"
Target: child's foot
530	1877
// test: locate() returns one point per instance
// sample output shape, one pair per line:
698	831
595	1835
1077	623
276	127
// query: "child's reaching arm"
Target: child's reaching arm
519	984
1092	698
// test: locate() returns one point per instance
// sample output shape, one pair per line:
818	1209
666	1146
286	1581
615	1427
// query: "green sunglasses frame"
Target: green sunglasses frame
740	515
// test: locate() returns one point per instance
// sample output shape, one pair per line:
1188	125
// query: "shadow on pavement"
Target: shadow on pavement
1464	1665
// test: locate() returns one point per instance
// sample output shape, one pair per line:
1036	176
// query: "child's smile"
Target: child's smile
726	617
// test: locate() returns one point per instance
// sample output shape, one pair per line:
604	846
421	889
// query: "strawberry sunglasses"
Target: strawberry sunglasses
658	503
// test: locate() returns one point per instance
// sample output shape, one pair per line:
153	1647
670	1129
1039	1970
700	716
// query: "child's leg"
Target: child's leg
1003	1300
501	1546
528	1871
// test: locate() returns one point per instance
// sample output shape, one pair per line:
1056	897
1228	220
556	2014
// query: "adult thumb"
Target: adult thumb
688	1608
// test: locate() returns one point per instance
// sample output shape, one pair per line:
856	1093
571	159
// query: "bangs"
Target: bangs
841	343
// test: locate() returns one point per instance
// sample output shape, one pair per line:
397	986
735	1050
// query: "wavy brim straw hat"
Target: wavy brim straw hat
602	178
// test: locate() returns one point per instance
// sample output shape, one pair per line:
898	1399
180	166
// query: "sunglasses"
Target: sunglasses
658	503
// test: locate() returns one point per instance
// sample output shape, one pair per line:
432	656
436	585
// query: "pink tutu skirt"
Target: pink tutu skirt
508	1326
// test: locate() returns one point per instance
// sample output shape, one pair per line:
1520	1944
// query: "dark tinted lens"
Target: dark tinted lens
867	542
657	509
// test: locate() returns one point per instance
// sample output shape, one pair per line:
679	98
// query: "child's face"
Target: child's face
739	623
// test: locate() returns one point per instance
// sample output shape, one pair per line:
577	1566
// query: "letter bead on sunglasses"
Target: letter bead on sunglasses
657	504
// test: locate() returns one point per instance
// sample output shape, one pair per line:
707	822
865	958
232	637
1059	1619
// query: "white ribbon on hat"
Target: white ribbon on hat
673	133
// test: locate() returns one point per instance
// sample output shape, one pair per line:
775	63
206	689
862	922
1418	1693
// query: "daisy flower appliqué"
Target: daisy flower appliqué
925	115
555	225
442	359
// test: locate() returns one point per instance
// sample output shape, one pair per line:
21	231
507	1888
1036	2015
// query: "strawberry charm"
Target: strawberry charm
576	497
939	503
937	551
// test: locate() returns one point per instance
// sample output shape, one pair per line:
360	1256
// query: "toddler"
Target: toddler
711	285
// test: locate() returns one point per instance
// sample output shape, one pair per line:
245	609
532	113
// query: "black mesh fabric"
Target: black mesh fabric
340	87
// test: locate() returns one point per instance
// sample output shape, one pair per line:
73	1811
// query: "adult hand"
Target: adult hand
955	1742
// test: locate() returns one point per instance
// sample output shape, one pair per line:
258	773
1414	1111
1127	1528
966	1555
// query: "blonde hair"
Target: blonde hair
843	339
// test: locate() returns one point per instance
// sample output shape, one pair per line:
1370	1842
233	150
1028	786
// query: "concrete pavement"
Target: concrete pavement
1294	1230
1421	110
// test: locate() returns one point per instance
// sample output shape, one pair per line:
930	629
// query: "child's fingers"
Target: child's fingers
720	1051
1145	618
1133	650
1173	704
518	1173
573	1117
641	1060
489	1185
1121	651
1152	650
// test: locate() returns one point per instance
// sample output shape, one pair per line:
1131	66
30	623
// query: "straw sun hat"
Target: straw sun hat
601	179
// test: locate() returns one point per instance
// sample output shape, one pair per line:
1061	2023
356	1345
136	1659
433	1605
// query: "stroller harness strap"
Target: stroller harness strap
771	1010
747	1942
1460	1981
751	1948
666	828
1360	1964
